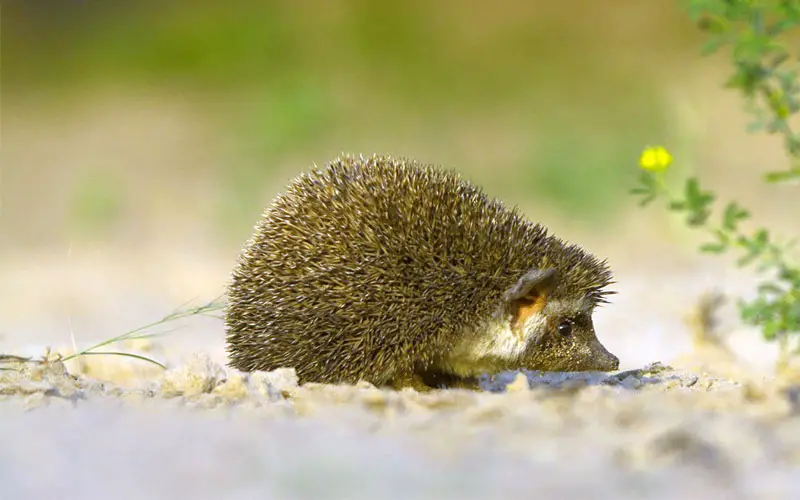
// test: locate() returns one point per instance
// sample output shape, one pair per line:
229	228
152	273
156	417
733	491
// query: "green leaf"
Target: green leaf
792	275
722	236
793	145
696	197
698	218
746	79
714	248
769	288
698	8
779	59
733	214
647	188
647	200
648	180
677	205
761	238
748	312
697	202
747	259
756	126
712	46
772	329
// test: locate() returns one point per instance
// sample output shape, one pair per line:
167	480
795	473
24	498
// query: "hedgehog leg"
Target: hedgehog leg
412	380
470	383
445	380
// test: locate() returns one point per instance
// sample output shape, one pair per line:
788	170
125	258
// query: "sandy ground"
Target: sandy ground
202	433
719	425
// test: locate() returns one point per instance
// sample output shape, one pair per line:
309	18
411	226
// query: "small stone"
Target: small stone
197	376
21	376
275	384
793	395
35	400
494	383
234	388
753	393
689	380
706	383
375	400
631	382
519	384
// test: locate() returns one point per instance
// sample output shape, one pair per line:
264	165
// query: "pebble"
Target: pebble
197	376
520	383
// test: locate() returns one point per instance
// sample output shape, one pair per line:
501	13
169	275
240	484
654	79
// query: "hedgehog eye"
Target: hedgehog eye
565	328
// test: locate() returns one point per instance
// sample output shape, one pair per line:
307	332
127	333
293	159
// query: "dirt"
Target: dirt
206	431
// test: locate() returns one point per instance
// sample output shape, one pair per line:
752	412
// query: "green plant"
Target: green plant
752	29
771	91
144	332
97	201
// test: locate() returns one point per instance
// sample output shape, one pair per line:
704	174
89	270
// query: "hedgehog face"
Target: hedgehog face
535	331
557	334
548	333
565	340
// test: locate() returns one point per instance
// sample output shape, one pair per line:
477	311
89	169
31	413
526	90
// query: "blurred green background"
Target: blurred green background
146	120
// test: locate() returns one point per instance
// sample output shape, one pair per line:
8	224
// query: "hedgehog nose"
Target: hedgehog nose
613	362
605	360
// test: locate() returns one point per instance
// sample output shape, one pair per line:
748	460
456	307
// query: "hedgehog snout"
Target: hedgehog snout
604	360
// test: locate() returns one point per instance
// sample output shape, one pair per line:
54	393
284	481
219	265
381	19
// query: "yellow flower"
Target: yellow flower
655	159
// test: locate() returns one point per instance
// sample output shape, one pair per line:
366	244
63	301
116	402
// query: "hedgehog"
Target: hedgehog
403	274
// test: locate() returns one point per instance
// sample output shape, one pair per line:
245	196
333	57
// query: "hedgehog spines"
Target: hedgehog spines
369	267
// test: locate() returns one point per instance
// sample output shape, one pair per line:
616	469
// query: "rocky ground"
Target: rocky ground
712	421
200	430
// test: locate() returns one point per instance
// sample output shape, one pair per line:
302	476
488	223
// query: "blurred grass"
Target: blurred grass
96	204
293	79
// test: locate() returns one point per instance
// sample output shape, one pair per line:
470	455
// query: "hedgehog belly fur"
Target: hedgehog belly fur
492	348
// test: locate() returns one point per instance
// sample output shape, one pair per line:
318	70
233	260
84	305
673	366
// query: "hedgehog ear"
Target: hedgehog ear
529	294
